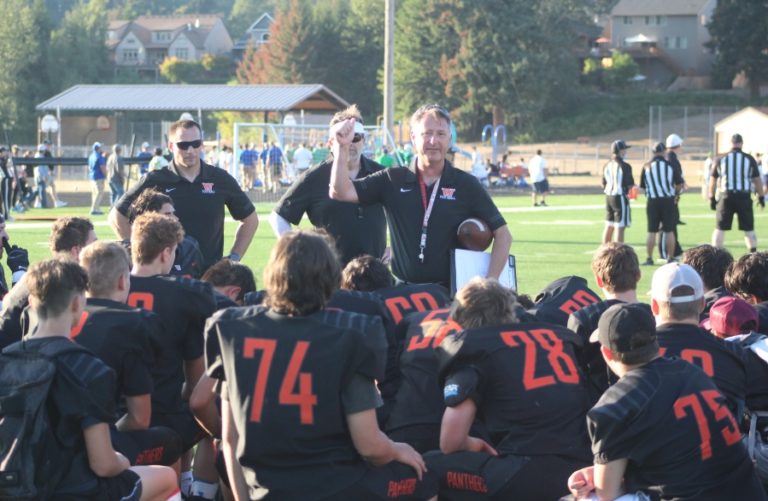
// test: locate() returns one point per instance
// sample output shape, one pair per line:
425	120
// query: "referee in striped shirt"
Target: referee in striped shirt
661	183
735	175
617	181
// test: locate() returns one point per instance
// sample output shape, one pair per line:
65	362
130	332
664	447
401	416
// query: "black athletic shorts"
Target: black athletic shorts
617	213
183	423
391	481
541	187
156	445
123	487
476	475
739	203
661	211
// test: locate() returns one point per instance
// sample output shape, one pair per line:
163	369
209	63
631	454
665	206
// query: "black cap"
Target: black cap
628	329
736	139
659	148
619	145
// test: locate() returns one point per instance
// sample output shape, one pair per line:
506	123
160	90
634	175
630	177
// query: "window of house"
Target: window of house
181	53
130	56
682	42
656	20
265	37
162	36
627	19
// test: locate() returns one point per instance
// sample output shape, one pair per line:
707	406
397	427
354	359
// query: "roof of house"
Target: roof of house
263	23
659	7
170	23
194	97
749	110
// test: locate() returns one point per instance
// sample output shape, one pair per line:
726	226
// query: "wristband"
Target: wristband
234	256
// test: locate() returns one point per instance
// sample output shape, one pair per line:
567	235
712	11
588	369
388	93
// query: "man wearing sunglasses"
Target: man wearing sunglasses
357	229
199	192
424	203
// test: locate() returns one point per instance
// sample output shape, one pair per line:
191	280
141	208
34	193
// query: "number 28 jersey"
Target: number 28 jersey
524	379
285	378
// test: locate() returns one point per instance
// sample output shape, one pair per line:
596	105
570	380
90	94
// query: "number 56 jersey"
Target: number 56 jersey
287	381
526	384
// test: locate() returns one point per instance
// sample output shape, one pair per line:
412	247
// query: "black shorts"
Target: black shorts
183	423
123	487
541	186
661	211
617	213
476	475
156	445
735	203
391	481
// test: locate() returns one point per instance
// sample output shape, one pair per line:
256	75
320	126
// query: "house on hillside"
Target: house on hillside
257	34
148	40
751	123
666	38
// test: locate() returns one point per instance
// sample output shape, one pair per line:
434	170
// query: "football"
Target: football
474	234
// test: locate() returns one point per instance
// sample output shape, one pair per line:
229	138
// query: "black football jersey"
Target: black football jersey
369	303
762	316
723	362
285	376
583	322
418	401
404	299
120	336
183	305
526	383
561	298
673	425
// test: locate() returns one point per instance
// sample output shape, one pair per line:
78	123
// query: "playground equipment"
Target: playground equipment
495	145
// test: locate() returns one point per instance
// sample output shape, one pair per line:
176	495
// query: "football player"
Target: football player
298	392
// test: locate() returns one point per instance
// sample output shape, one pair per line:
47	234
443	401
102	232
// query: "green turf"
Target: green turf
548	242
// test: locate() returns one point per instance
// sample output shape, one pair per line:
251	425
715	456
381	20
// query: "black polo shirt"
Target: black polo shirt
199	204
357	229
461	196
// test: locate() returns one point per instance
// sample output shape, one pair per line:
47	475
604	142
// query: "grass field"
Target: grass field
548	242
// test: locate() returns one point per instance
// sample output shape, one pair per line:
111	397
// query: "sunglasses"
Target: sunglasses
358	137
185	145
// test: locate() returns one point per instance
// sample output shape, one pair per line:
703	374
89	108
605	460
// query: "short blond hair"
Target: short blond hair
104	262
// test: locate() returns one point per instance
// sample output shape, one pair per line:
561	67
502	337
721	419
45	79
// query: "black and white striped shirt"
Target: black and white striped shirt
659	179
617	177
735	171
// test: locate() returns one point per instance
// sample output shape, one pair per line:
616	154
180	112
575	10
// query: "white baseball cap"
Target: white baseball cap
145	144
672	276
673	141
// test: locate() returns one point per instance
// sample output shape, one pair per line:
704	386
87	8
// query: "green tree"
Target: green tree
619	74
210	69
739	30
78	52
362	41
426	43
23	34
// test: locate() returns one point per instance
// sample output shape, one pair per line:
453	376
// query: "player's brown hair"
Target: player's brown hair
616	264
484	302
366	273
52	285
746	277
351	111
302	273
69	232
184	124
150	200
434	110
227	272
151	233
710	262
104	262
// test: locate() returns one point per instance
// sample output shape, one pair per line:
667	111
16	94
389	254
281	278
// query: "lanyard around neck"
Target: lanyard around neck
427	211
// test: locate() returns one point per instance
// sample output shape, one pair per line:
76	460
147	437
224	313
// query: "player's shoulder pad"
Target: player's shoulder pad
368	330
468	346
629	397
236	313
202	289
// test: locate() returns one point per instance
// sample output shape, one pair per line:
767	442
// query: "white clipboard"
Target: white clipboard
467	264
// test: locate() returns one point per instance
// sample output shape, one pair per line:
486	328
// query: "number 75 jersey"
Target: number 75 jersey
526	384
